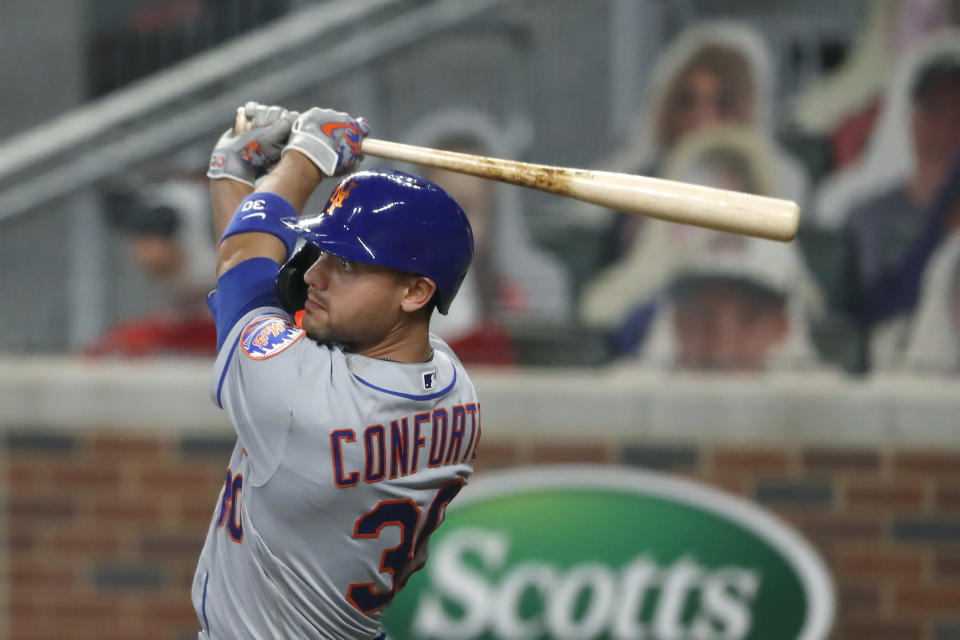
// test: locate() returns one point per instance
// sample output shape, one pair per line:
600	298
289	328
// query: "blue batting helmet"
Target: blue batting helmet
388	218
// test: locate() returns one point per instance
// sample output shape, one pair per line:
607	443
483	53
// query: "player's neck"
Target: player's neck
411	345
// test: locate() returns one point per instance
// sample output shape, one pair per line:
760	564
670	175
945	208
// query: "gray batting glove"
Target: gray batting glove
330	139
247	155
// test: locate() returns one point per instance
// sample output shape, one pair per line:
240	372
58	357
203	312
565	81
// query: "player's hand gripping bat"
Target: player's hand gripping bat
669	200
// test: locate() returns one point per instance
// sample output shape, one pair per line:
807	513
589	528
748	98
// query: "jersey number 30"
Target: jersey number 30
408	556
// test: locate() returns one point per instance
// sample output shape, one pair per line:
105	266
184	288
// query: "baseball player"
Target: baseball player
354	431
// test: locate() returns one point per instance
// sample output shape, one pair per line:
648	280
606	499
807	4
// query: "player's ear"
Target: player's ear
419	291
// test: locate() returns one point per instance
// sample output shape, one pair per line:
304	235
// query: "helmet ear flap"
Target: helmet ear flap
291	289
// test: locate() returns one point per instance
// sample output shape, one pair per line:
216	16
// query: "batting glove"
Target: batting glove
330	139
247	155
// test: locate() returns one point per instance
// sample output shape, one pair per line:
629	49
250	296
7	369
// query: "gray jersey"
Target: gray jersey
343	467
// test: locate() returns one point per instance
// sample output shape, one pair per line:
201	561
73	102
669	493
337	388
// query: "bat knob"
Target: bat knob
241	123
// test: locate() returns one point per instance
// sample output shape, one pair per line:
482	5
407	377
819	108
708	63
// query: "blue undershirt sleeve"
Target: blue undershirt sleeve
249	285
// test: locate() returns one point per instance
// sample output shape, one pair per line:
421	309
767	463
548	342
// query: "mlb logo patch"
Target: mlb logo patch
429	379
267	337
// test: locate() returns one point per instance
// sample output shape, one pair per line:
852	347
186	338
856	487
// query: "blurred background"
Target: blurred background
815	379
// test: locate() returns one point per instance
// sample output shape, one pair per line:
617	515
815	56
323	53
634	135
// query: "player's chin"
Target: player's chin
316	323
318	335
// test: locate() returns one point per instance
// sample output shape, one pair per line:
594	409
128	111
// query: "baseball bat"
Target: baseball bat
670	200
674	201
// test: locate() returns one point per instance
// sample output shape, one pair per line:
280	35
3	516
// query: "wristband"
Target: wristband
263	212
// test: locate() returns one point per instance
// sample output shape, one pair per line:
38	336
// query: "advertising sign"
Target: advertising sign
609	553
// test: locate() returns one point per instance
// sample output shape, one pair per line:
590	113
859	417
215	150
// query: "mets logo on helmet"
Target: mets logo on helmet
340	194
267	337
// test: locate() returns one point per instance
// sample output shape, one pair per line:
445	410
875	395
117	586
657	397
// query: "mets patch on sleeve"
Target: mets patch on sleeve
267	337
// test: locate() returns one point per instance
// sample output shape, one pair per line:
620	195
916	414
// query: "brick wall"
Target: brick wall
104	530
106	502
104	527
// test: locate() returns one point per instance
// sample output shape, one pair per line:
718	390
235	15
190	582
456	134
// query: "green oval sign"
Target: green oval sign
607	553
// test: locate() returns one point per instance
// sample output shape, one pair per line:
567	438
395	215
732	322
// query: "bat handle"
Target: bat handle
403	152
242	122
